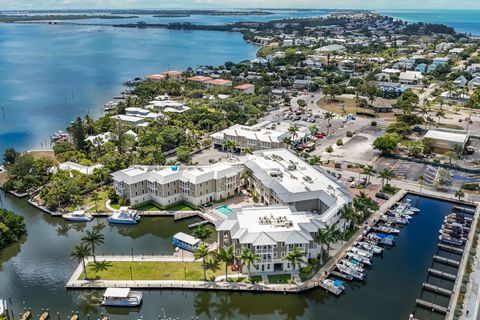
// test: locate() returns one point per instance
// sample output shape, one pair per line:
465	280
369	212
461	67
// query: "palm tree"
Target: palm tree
321	238
421	179
202	232
246	175
315	160
459	194
226	255
288	141
313	129
347	213
333	235
230	146
81	252
95	197
328	116
293	131
368	172
248	150
386	175
93	238
202	253
295	258
248	257
440	114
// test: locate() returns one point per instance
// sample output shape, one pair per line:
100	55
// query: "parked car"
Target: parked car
382	195
339	176
353	185
212	160
350	179
363	181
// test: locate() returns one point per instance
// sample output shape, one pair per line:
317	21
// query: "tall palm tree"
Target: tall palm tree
248	150
386	175
246	175
459	194
81	252
328	116
295	258
93	238
315	160
95	197
288	141
440	114
230	146
226	255
347	213
202	253
333	235
368	172
313	129
100	266
321	238
293	130
248	257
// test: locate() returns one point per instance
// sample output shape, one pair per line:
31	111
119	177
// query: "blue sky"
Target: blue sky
363	4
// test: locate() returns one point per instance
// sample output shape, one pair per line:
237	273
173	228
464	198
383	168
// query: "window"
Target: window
283	254
274	255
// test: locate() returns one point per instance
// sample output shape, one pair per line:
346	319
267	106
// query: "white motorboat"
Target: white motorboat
121	297
370	247
381	238
351	272
334	286
124	216
386	229
366	261
78	216
352	264
3	307
361	252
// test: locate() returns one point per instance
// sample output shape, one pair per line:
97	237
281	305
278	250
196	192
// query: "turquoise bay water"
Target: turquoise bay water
52	74
462	20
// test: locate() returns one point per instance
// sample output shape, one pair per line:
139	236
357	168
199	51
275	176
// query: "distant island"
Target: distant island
26	18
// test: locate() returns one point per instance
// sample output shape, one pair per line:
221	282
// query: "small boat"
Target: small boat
364	260
78	216
334	286
121	297
124	216
450	240
382	238
352	264
3	307
361	252
370	247
341	275
349	271
386	229
58	135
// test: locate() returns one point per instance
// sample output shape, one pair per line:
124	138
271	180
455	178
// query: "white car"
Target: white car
353	185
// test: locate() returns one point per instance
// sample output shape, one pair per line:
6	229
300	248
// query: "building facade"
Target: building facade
166	186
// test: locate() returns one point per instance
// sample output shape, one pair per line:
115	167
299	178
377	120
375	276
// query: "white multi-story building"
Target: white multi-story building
166	186
279	176
270	233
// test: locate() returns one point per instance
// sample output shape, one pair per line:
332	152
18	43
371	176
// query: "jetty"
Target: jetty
45	315
444	260
437	289
450	248
27	314
432	306
441	274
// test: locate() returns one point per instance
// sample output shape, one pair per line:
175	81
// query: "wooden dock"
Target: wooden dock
432	306
450	248
45	315
441	274
197	224
74	317
179	215
450	262
436	289
464	209
27	314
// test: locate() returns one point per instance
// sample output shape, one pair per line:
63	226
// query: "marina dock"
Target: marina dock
450	248
436	289
432	306
44	315
441	274
26	315
444	260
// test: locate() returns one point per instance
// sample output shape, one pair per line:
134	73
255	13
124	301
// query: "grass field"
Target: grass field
103	197
148	270
182	206
279	278
152	206
349	107
149	206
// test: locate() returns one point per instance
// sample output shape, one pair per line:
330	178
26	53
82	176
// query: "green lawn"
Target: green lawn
148	206
103	197
256	279
120	270
115	205
449	126
279	278
182	206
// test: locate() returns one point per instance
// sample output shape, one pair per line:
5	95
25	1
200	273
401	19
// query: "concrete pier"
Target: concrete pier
436	289
432	306
442	274
450	262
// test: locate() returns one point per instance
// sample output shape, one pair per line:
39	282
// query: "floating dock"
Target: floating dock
444	260
436	289
432	306
442	274
45	315
27	314
446	247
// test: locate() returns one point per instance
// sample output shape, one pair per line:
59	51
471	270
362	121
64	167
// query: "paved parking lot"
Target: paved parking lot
202	158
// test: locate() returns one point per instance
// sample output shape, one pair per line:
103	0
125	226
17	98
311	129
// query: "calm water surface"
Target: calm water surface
34	272
52	74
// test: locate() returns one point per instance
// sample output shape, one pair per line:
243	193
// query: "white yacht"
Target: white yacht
349	271
334	286
361	252
364	260
370	247
78	216
121	297
124	216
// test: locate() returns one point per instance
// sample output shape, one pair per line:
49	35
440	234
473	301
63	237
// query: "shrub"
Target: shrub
373	123
329	149
339	142
349	165
349	134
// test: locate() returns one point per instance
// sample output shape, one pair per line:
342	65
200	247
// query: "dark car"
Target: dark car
350	179
382	195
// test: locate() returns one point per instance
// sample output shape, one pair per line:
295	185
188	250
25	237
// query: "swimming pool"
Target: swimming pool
224	209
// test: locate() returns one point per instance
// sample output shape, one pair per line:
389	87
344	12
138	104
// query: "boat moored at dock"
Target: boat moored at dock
78	216
121	297
124	216
334	286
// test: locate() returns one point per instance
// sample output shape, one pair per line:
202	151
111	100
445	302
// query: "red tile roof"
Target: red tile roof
245	86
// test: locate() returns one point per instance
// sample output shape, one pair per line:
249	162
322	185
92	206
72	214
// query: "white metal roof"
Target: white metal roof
116	292
186	238
447	136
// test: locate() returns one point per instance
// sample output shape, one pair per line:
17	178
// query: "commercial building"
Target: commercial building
278	176
253	137
444	141
271	233
166	186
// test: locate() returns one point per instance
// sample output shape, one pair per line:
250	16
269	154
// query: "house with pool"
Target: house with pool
197	185
271	233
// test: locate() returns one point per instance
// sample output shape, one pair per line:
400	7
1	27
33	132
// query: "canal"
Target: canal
33	273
